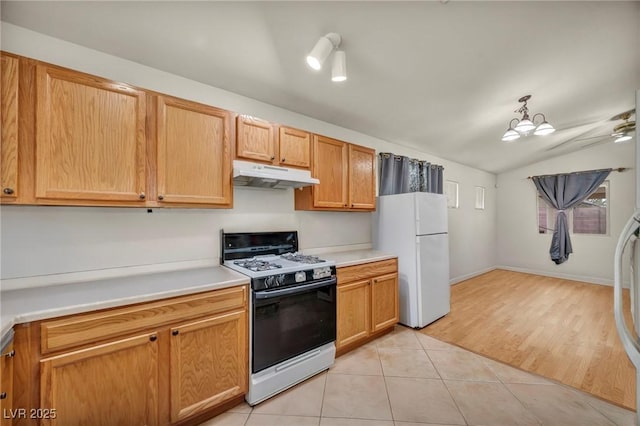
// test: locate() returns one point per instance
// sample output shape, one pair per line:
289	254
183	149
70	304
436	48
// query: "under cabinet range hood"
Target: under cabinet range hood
246	173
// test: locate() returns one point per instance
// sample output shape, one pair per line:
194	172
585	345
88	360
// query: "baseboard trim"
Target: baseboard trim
572	277
465	277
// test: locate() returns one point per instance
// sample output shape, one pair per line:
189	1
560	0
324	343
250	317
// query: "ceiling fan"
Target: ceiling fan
620	133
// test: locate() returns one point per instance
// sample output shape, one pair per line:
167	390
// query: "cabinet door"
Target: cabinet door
384	302
209	363
353	312
110	384
295	148
9	124
6	385
194	153
90	138
362	178
255	139
330	166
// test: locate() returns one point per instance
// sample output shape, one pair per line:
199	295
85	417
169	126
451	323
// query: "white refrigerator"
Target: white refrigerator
627	250
414	227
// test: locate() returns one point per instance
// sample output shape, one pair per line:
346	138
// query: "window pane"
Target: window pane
590	216
546	217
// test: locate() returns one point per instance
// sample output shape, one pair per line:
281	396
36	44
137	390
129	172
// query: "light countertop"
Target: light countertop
32	304
356	257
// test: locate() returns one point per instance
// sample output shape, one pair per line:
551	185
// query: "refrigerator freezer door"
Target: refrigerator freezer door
431	213
433	278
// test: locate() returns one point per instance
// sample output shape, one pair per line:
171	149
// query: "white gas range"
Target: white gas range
292	305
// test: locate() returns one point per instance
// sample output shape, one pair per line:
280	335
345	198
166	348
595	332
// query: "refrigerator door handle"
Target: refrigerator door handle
631	345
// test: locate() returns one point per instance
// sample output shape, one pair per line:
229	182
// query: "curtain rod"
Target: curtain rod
619	169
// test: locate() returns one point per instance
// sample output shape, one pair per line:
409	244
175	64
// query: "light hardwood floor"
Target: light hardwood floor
560	329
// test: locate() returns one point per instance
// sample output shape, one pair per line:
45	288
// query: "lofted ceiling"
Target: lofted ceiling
441	77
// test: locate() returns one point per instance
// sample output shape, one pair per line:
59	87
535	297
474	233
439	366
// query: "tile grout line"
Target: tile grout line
386	388
324	390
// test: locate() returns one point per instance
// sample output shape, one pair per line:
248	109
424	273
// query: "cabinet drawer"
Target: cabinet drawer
366	270
86	328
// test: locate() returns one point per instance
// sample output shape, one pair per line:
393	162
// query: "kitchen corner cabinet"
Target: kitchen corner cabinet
9	123
6	384
90	140
367	302
194	153
347	177
162	362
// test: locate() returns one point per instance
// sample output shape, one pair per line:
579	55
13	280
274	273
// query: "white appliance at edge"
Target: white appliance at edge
627	247
414	227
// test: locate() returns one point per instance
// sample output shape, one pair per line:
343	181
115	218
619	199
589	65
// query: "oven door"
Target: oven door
291	321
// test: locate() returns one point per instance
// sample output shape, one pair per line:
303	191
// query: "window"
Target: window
589	217
479	197
451	191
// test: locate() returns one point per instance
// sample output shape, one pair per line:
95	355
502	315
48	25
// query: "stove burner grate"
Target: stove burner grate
301	258
257	265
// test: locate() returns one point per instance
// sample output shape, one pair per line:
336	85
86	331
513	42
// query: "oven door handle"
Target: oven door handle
269	294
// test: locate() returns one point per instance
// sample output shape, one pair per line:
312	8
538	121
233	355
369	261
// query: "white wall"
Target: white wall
44	242
521	247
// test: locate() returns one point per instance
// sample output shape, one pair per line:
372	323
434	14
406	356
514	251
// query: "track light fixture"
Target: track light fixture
321	51
525	125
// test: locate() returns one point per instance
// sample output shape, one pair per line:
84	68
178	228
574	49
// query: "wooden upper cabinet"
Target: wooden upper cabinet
347	177
90	138
255	140
362	178
9	124
330	162
295	148
110	384
194	153
209	363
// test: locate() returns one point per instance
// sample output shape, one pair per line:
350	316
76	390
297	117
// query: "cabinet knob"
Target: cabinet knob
352	205
282	159
345	205
273	157
8	191
153	337
142	196
160	197
175	332
10	354
3	395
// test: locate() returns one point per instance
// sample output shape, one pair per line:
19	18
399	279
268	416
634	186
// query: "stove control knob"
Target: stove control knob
268	282
280	280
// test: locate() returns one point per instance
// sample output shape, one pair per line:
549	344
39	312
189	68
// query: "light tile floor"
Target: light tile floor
408	379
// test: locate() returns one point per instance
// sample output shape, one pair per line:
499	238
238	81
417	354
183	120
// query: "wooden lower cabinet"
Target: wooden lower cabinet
181	361
208	363
111	384
353	314
367	302
6	385
384	302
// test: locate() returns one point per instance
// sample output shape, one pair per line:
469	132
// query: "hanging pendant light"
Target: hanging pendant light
511	135
525	126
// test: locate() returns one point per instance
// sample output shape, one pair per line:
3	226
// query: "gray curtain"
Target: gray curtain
399	174
425	180
562	192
